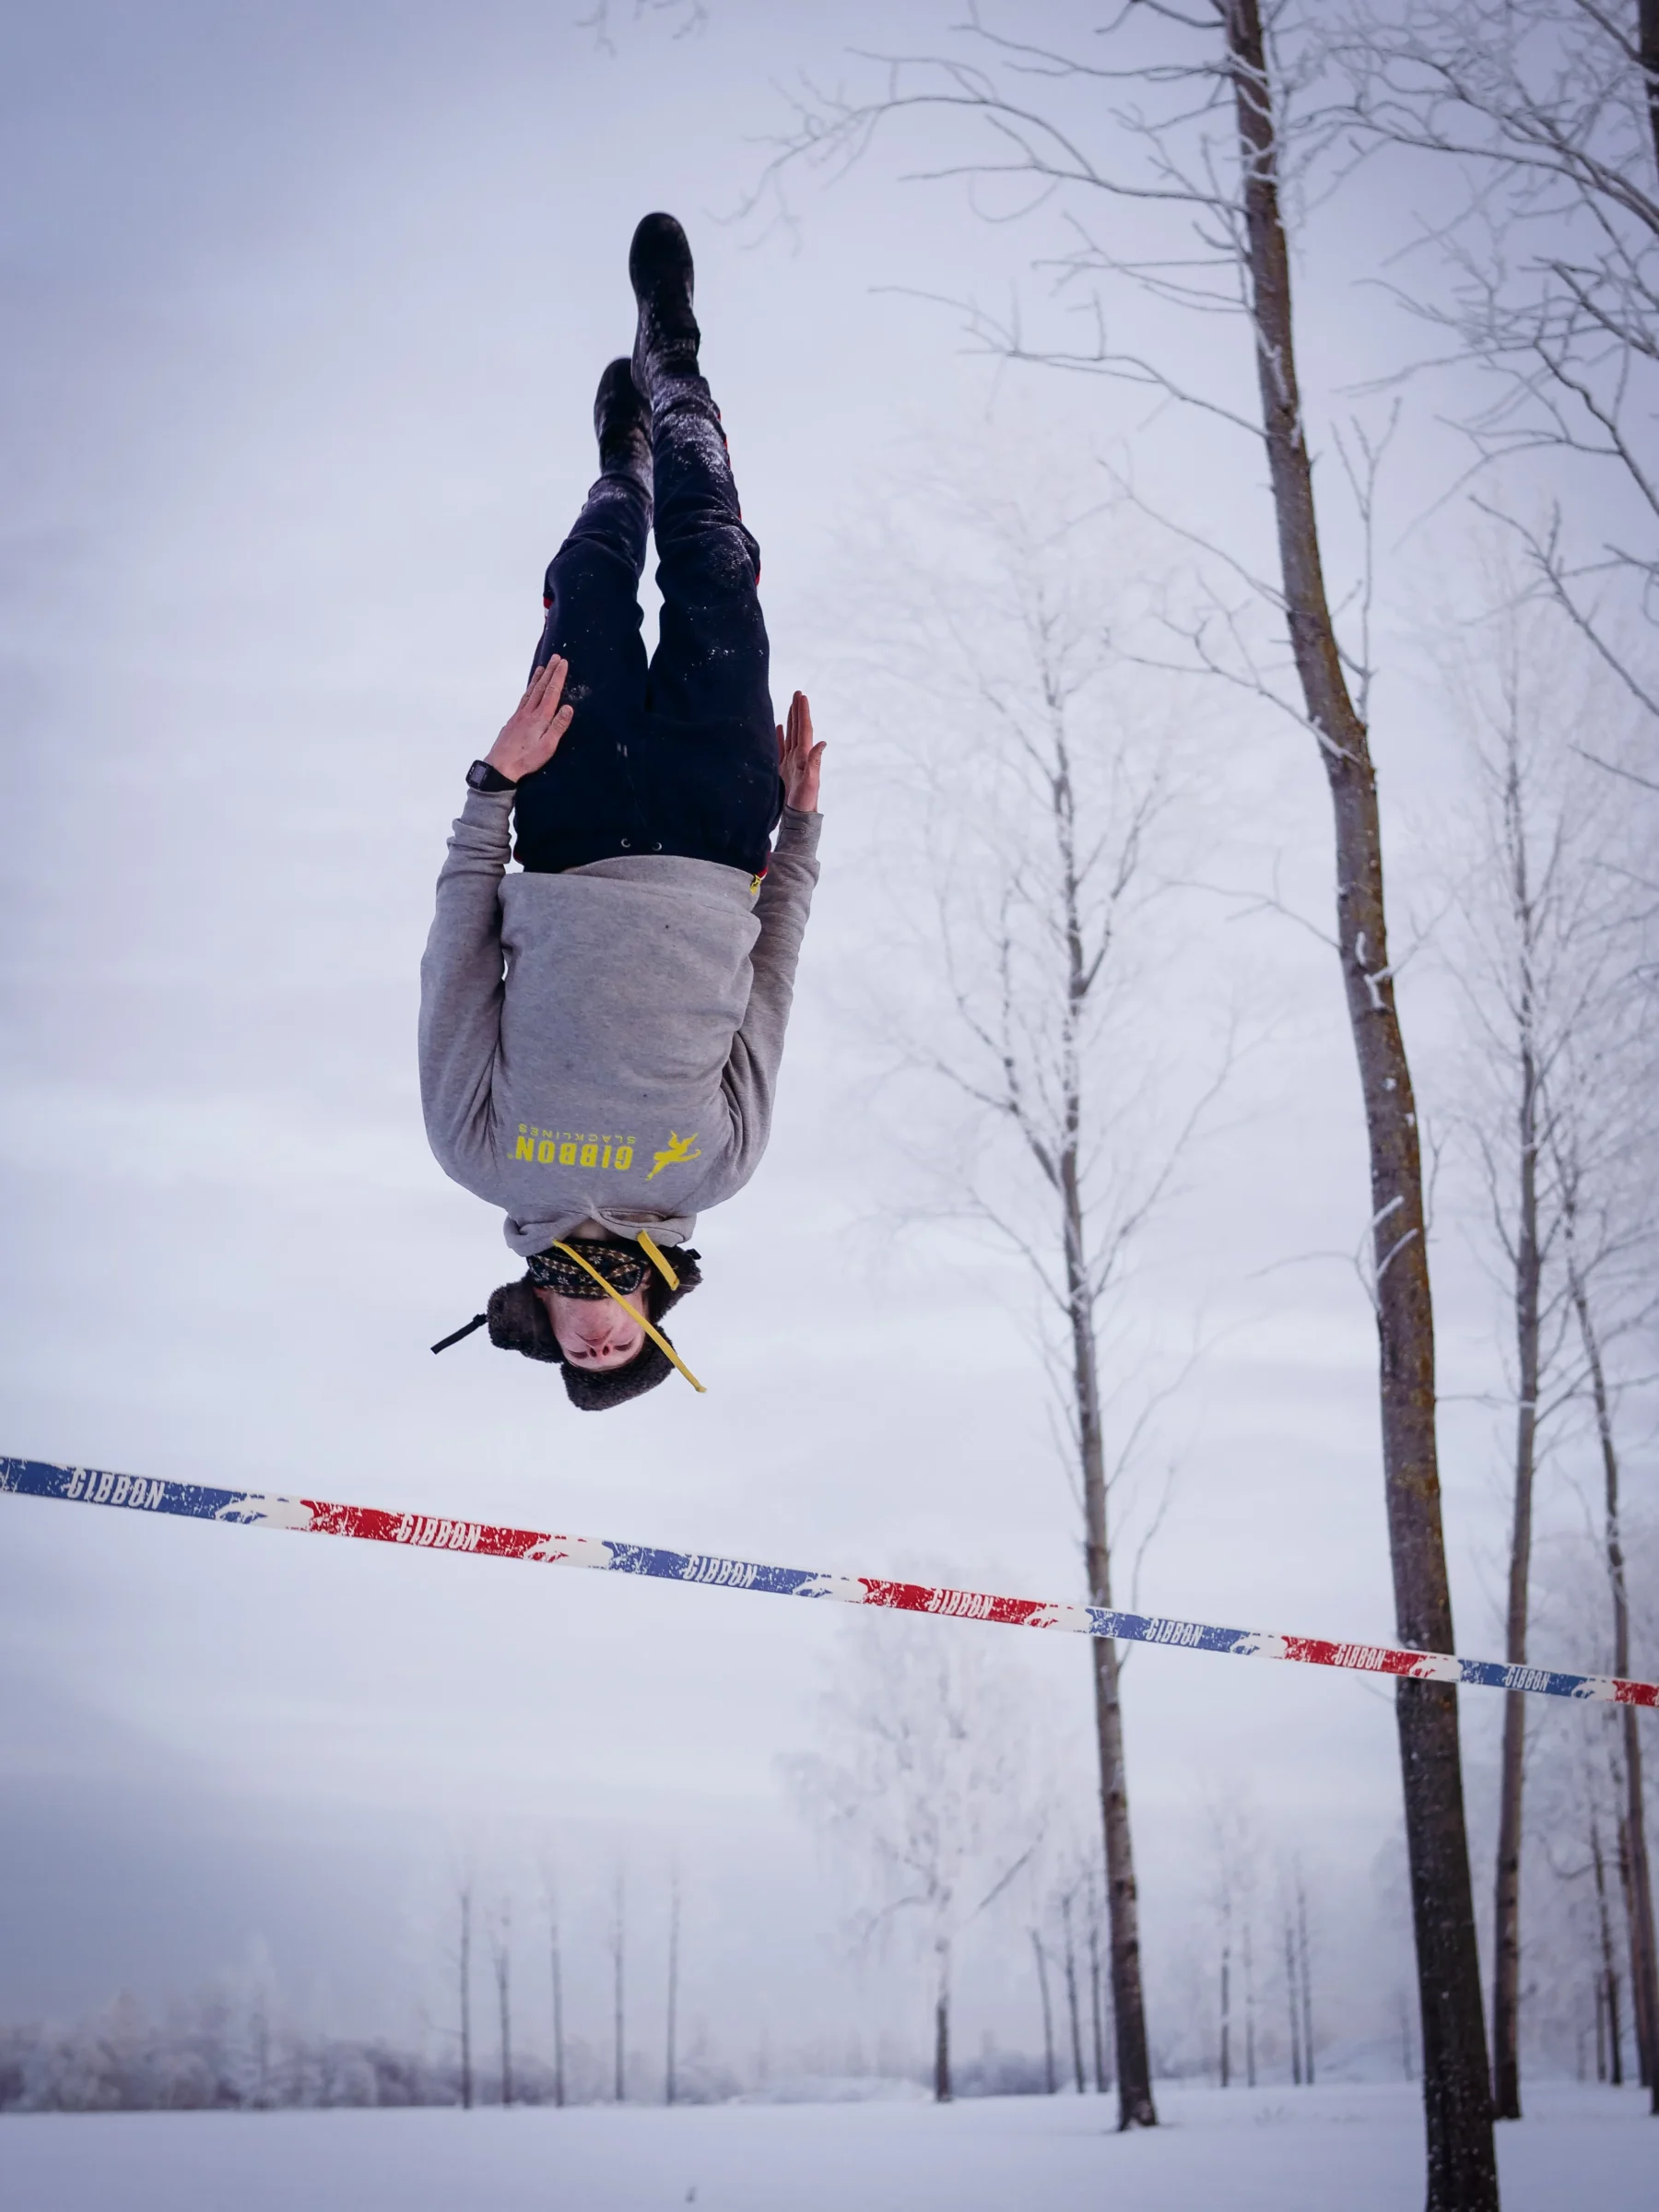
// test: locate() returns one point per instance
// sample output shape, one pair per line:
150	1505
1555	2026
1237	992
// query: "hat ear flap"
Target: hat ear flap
519	1323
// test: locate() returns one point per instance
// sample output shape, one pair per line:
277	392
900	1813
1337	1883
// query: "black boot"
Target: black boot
659	268
623	425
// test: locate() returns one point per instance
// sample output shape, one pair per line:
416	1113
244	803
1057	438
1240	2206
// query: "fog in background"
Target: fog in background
303	317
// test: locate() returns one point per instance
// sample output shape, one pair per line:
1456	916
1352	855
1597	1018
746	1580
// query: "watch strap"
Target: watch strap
481	776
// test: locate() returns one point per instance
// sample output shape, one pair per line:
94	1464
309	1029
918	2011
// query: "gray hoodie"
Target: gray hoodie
604	1044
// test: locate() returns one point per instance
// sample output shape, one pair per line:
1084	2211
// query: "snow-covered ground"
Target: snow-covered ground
1323	2150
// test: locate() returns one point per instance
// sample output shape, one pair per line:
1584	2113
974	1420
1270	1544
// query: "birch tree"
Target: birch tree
1043	802
1605	1159
1556	915
1532	900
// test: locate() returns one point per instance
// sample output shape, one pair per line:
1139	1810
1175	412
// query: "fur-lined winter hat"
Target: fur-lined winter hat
518	1322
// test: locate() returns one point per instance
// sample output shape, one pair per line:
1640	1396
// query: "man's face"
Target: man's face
596	1333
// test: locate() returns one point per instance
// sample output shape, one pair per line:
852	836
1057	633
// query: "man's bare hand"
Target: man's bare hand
798	757
530	740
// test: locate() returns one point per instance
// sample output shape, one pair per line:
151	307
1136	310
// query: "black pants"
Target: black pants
680	756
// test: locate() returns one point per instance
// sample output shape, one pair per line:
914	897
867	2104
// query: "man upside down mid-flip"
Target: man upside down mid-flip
600	1035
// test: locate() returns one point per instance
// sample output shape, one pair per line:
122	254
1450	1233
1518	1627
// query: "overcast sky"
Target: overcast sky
304	309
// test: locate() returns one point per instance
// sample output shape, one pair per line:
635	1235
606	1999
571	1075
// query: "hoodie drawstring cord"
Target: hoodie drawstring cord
648	1247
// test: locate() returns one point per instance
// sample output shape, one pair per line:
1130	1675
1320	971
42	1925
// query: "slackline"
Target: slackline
427	1532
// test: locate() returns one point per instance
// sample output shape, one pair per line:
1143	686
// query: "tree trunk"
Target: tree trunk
1506	1914
620	2076
942	2046
1290	1998
466	2065
1049	2081
1528	1272
1634	1865
504	2001
1642	1899
669	2084
1096	2009
1225	2066
1648	33
1607	1994
1633	1927
1073	2004
1307	1979
1461	2171
556	1960
1136	2108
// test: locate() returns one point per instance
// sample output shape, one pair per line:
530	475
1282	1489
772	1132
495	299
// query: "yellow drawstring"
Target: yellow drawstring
610	1291
649	1248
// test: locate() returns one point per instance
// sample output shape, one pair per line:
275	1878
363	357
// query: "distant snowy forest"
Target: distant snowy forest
956	1842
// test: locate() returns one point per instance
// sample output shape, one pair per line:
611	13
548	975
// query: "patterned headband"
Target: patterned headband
621	1265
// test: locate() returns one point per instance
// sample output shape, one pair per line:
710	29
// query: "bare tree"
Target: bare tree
1462	2169
1605	1136
1532	891
1051	2079
1581	1794
1549	110
1199	97
1234	1896
1543	115
1635	1866
555	1967
1047	803
464	1899
1225	2068
1073	2006
1097	1988
1526	1239
1292	1995
931	1780
1610	2059
618	1962
1305	1962
673	2021
500	1944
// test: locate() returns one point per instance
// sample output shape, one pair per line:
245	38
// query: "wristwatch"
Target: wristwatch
480	776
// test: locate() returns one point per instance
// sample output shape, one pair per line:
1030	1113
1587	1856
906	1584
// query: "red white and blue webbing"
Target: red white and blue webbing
254	1509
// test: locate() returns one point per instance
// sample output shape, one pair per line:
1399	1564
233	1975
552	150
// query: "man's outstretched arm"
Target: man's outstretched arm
785	896
460	973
